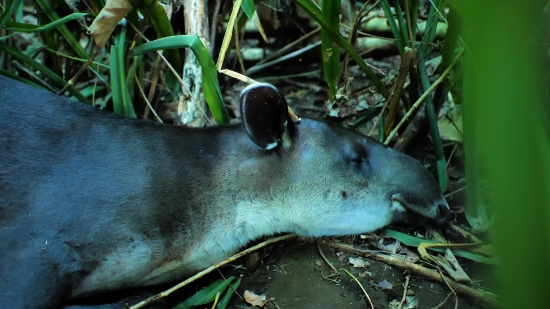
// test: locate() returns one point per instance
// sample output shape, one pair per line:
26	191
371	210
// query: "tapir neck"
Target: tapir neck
222	189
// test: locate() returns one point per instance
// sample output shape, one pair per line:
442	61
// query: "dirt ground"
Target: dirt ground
291	275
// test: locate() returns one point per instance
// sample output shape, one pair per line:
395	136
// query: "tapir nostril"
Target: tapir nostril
443	214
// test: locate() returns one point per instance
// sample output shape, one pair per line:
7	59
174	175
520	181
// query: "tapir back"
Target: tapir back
84	188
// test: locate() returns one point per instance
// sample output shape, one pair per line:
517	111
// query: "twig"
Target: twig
361	286
146	99
281	267
328	277
450	288
324	258
406	287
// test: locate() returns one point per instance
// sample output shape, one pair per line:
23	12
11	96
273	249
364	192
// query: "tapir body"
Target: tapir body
91	202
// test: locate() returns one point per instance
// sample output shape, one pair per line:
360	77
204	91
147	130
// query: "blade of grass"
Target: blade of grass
228	293
206	294
250	10
122	104
425	83
212	92
413	13
67	35
23	27
37	67
132	71
402	24
476	213
228	34
393	26
163	28
311	8
331	51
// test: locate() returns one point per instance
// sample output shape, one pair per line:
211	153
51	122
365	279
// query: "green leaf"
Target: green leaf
415	242
248	8
222	303
205	295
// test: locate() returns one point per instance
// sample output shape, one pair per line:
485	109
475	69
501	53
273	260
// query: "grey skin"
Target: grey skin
91	202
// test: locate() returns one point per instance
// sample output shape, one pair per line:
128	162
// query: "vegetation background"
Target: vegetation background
460	84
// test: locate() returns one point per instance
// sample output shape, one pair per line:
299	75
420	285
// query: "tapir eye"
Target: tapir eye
358	161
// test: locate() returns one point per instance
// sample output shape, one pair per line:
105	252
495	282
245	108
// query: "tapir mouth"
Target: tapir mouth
436	212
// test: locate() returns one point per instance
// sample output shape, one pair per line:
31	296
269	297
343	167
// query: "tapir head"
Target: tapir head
336	182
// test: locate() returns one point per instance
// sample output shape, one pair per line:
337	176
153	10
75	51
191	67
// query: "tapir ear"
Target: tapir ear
264	112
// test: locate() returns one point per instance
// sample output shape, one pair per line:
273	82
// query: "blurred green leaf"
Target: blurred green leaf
504	98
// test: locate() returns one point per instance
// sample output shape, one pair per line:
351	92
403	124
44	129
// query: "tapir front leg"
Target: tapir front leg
34	275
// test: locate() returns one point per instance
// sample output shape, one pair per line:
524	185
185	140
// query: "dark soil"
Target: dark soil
291	275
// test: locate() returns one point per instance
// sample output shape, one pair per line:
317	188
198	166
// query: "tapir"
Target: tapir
92	202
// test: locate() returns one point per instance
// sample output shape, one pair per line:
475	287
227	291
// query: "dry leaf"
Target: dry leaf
253	299
452	267
105	22
392	248
258	24
450	121
385	284
409	255
358	262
